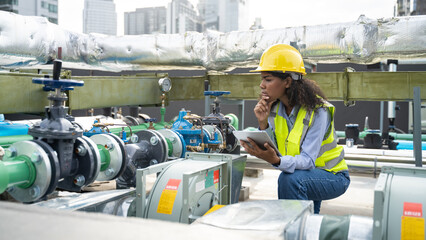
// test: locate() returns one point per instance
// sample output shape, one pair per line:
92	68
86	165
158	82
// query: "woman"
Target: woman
294	112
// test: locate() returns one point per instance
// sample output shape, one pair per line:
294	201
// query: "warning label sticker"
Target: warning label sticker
168	196
412	228
412	223
216	176
412	209
173	184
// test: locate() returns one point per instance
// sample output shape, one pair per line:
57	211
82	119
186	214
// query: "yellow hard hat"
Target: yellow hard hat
281	57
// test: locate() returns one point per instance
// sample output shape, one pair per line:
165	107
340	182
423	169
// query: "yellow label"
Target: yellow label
412	228
167	200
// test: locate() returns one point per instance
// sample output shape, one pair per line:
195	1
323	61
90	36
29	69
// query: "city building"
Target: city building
224	15
410	7
257	24
99	16
43	8
145	21
182	17
209	14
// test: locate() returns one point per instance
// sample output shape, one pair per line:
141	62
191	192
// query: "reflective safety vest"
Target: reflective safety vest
330	156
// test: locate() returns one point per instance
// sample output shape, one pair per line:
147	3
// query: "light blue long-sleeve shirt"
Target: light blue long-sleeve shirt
311	144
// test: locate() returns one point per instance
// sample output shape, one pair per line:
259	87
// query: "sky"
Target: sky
273	13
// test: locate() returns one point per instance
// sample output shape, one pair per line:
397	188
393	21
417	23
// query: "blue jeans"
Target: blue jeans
315	184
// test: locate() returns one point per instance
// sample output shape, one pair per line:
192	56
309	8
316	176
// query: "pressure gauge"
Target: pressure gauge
165	84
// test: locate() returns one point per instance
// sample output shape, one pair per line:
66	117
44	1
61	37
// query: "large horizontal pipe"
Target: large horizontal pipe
34	41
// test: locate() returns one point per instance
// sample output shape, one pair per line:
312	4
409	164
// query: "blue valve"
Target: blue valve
216	93
55	83
151	120
63	84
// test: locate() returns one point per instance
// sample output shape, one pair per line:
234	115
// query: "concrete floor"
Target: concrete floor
357	200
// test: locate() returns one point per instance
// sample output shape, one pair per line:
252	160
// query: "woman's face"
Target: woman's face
273	87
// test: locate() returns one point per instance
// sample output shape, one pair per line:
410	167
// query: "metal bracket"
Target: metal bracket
346	87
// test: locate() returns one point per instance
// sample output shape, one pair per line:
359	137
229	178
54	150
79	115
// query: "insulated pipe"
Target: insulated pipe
337	227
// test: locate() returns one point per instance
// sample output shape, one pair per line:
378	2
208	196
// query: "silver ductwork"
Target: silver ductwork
33	41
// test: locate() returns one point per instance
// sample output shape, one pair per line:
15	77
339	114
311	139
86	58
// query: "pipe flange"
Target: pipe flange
231	141
43	173
123	153
116	156
154	146
54	164
176	140
97	162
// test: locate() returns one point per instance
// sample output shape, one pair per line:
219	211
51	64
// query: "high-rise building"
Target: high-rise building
99	16
209	14
182	17
43	8
224	15
145	21
233	15
410	7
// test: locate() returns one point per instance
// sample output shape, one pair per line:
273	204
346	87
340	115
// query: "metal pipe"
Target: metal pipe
397	136
16	171
6	141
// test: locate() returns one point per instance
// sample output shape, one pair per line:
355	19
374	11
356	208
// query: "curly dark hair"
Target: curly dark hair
304	92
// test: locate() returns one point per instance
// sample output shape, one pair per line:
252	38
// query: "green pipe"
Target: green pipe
18	171
138	128
6	141
234	120
397	136
143	126
105	157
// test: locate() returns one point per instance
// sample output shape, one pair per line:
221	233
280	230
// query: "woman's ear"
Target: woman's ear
288	82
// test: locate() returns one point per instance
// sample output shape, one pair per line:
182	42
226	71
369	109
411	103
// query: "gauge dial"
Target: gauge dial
165	84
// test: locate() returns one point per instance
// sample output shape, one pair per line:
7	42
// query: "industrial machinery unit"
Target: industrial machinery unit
399	200
184	190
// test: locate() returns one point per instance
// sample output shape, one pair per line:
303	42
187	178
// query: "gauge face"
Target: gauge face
165	84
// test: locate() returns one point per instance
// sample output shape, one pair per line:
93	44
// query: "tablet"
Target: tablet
259	137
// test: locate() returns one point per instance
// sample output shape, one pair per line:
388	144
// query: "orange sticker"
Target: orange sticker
412	209
173	184
216	176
